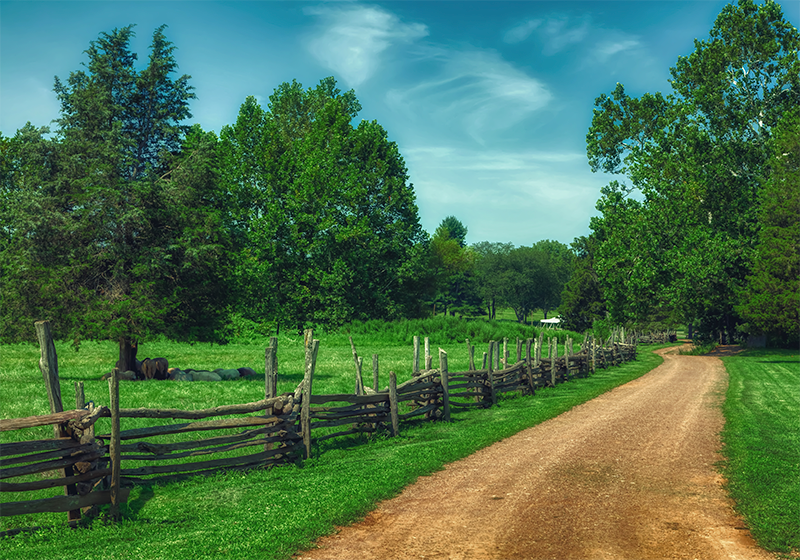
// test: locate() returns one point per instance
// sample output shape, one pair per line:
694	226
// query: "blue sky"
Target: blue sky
489	102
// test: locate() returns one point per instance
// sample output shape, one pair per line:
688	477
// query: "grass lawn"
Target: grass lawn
762	444
268	513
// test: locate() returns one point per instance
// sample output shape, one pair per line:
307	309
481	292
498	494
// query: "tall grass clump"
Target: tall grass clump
445	330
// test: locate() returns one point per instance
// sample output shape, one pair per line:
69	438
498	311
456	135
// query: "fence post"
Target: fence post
505	353
393	404
428	358
415	365
305	410
271	368
553	360
519	350
528	365
443	375
359	390
114	444
48	365
489	374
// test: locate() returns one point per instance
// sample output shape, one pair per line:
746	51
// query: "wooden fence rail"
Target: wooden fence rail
97	469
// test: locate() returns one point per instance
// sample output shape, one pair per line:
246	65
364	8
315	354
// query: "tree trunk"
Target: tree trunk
493	310
545	313
127	354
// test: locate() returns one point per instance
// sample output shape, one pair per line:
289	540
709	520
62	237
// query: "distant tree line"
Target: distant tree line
124	222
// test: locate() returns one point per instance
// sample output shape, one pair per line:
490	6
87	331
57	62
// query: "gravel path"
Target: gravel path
628	475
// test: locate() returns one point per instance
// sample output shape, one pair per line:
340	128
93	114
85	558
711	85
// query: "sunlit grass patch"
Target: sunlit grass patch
762	444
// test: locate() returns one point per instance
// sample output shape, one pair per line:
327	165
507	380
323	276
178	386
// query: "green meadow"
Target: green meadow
275	512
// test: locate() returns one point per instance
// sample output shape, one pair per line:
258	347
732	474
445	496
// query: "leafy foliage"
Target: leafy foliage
582	300
771	299
115	226
326	219
699	157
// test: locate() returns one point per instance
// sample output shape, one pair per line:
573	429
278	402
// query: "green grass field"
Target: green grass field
270	513
762	444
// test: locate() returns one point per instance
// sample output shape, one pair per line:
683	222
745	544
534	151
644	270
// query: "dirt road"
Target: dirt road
628	475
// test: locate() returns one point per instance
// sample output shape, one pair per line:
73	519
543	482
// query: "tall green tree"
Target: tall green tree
770	303
582	300
327	219
455	229
489	272
559	263
698	156
452	265
113	239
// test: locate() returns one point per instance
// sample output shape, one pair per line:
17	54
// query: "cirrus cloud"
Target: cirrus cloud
352	39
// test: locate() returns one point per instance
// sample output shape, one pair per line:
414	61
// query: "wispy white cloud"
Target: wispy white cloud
522	31
606	49
556	32
562	31
352	38
476	90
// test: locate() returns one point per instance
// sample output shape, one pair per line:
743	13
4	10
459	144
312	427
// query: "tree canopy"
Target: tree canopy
115	225
327	220
770	302
699	157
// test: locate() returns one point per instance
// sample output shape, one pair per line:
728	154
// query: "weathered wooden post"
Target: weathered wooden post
415	365
489	374
519	350
271	369
496	355
553	360
80	396
393	411
443	375
529	365
359	378
359	390
471	357
305	410
428	357
48	365
114	445
505	353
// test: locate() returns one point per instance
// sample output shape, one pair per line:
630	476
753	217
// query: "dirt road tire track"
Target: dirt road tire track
628	475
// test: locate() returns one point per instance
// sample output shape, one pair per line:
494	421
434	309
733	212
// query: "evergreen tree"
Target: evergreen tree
582	299
110	239
771	301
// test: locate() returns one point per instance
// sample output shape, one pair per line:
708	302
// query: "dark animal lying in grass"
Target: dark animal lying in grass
157	368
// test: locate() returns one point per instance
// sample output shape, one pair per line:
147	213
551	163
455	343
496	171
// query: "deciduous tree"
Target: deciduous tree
698	156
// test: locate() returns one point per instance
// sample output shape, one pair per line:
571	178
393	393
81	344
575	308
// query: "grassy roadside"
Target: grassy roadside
272	514
762	444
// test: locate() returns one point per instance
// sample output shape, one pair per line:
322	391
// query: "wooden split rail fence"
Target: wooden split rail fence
97	469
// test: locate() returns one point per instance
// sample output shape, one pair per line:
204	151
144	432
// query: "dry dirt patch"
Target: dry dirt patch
628	475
